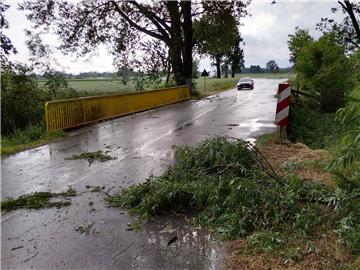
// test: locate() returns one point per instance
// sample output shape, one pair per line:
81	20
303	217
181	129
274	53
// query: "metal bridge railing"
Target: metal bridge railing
62	114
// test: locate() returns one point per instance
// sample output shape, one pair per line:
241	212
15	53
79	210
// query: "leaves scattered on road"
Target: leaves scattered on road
92	156
38	200
85	229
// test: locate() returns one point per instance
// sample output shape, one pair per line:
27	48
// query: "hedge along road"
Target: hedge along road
143	145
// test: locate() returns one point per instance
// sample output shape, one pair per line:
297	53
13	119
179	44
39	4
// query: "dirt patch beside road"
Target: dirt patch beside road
298	158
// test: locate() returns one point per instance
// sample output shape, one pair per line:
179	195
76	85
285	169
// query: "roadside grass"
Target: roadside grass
38	200
31	137
220	181
214	85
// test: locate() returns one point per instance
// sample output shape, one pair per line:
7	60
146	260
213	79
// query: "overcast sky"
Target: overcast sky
265	33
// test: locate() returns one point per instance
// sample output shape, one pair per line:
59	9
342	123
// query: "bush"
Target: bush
323	68
313	128
23	100
20	99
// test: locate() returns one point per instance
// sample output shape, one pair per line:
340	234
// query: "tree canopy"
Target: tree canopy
348	31
297	41
216	34
272	66
323	68
128	27
6	46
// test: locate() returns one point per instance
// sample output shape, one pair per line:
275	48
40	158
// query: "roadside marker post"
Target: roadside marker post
282	108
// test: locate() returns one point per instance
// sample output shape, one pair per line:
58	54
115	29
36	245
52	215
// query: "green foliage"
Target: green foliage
55	82
37	200
220	180
350	116
297	41
323	69
20	99
29	137
23	100
313	128
264	241
347	205
216	34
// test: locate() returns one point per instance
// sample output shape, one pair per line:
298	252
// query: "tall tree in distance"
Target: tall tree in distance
236	57
272	66
216	32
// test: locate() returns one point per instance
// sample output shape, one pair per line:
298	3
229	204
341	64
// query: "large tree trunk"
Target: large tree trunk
175	48
218	68
187	30
232	72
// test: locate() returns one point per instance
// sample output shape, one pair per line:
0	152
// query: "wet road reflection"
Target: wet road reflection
143	145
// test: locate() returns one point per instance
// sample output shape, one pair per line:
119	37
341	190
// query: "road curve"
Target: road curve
143	144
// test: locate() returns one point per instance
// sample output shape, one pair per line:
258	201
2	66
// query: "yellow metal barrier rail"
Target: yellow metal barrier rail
62	114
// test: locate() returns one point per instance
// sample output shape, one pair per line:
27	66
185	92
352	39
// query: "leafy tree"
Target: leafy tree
272	66
233	59
20	99
216	32
83	25
6	46
348	31
323	68
297	41
236	57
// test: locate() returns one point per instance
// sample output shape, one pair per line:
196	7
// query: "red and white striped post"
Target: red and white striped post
282	109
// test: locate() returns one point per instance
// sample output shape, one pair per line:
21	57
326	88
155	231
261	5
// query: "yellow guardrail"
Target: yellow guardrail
69	113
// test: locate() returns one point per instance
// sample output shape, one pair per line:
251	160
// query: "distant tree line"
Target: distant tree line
81	75
259	69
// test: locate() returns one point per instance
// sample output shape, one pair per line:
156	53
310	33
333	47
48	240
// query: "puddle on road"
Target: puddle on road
173	243
253	125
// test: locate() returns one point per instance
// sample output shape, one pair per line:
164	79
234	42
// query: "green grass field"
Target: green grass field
108	86
98	85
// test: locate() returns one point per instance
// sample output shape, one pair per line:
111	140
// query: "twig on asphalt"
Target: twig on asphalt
28	259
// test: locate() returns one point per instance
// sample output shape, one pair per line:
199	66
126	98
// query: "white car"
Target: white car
245	83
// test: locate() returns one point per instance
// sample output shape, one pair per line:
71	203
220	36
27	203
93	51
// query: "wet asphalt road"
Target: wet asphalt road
143	144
